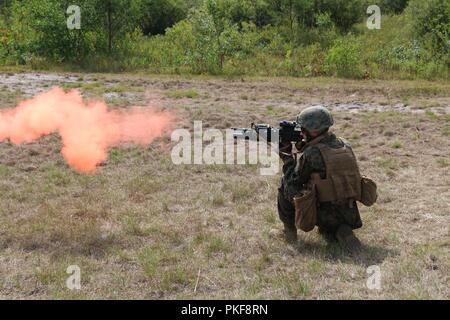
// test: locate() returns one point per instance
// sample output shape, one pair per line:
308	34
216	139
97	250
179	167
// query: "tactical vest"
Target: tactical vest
343	179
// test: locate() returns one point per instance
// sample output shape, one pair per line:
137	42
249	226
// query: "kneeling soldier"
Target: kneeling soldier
327	164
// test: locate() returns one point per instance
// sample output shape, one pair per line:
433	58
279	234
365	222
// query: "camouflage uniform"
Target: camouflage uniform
329	216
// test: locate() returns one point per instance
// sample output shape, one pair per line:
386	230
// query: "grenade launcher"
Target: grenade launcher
287	132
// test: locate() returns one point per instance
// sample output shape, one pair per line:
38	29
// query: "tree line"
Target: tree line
273	37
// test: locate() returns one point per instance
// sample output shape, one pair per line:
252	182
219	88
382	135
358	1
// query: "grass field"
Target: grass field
142	227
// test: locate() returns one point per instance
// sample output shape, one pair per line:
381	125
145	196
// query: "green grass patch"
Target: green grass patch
150	260
4	171
216	245
174	277
217	199
116	155
387	163
58	177
92	86
121	88
442	162
298	289
432	116
132	226
180	94
397	145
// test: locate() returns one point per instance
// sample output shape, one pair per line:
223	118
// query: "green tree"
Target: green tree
215	38
249	11
343	59
391	6
39	28
158	15
431	22
118	17
344	13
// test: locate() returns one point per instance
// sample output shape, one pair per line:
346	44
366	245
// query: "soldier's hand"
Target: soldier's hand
285	147
299	145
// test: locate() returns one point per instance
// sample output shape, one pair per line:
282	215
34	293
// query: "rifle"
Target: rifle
288	132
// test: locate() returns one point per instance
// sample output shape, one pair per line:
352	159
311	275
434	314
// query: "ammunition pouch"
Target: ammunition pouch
306	210
369	193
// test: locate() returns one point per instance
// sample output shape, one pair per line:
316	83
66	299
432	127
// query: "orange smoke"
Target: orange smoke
88	130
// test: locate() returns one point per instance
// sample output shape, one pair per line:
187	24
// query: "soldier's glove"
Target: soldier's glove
299	145
285	147
285	152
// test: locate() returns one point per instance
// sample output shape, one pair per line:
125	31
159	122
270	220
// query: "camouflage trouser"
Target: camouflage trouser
286	209
329	216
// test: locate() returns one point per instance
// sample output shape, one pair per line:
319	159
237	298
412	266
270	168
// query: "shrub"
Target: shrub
307	61
343	59
158	15
431	20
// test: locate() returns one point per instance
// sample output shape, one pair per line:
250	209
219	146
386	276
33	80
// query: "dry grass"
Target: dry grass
144	228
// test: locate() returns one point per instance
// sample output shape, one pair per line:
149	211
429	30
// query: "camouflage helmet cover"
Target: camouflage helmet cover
315	118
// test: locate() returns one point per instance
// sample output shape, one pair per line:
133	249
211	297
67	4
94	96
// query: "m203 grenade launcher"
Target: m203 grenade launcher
288	132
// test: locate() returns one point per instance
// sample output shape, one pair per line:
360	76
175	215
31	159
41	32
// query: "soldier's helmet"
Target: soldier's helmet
315	118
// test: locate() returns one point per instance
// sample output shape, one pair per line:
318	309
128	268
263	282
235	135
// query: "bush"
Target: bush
431	21
45	33
396	52
343	59
391	6
306	61
237	12
158	15
343	13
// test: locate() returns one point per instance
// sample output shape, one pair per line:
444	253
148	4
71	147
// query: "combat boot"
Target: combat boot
328	236
290	233
347	238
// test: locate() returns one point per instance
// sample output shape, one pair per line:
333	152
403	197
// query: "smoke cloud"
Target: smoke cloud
87	129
